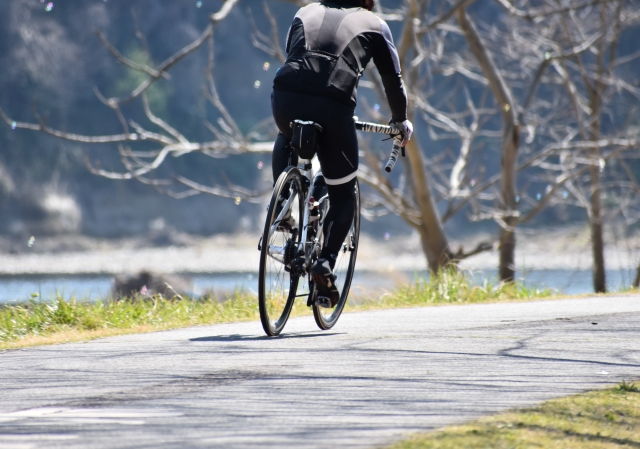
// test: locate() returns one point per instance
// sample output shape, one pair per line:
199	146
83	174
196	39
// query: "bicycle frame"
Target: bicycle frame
276	252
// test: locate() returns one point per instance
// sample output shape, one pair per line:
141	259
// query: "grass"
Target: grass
599	419
451	287
61	320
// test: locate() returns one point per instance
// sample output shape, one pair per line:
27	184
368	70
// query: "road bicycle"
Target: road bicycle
293	237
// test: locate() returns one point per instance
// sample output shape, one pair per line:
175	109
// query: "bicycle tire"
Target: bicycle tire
344	269
277	287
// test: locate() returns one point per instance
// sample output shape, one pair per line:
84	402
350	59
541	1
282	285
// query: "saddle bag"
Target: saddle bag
305	138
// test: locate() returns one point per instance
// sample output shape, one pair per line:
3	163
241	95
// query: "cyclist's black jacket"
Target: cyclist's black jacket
329	46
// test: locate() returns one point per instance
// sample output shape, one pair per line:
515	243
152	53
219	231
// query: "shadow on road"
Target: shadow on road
238	337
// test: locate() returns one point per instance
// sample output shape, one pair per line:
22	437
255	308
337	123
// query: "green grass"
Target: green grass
62	320
72	320
452	287
599	419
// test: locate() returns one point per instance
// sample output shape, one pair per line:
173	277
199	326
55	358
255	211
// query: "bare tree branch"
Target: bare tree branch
234	192
540	13
269	45
128	62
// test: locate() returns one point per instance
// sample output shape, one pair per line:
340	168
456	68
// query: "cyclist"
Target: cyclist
328	46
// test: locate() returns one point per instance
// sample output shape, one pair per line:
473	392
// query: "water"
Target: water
574	282
23	288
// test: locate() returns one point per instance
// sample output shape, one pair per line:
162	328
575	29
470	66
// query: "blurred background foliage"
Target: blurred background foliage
52	61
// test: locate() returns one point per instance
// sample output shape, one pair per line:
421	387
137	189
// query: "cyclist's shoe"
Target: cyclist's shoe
325	282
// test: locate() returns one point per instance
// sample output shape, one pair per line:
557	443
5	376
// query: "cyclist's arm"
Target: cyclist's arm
295	34
287	42
385	57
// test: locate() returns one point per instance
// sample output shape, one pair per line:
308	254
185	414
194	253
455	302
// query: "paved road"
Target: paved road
376	377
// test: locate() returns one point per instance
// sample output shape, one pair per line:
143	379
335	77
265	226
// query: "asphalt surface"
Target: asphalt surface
373	379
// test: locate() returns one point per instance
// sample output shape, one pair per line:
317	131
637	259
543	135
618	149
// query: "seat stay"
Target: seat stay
306	169
282	213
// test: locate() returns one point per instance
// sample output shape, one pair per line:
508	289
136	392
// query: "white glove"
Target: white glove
406	129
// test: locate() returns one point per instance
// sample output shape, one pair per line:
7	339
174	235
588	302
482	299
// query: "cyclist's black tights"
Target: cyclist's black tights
282	156
338	221
342	205
337	153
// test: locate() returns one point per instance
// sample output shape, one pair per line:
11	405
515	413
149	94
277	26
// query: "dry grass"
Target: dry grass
599	419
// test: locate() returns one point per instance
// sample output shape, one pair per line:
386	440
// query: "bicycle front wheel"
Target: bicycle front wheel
343	270
278	277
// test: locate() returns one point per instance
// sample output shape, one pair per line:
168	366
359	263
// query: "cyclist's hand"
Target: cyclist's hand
406	129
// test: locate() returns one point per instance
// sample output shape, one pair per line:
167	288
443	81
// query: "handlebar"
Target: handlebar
389	130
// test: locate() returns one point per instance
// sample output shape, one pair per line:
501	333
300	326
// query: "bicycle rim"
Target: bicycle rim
277	286
343	270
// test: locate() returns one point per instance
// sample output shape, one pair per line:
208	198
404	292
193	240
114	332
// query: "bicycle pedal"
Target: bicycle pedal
323	301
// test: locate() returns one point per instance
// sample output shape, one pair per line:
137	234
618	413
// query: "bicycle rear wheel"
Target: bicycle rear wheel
278	277
343	270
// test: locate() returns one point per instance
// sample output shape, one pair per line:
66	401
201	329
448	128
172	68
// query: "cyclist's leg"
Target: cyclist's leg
338	221
335	229
342	272
319	188
338	155
284	107
283	113
282	156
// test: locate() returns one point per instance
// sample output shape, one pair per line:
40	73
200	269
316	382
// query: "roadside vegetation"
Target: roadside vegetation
451	287
599	419
60	320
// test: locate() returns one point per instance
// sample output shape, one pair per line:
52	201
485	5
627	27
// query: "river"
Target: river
365	283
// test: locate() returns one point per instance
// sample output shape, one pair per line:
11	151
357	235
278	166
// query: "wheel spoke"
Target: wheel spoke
277	286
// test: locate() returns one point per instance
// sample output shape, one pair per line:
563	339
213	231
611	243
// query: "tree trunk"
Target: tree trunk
507	265
597	243
432	236
511	141
595	102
